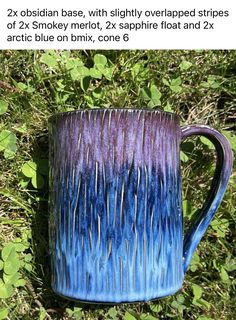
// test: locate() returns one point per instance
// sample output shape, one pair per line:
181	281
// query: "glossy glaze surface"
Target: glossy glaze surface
116	219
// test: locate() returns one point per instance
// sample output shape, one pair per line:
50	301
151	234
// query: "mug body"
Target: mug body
116	225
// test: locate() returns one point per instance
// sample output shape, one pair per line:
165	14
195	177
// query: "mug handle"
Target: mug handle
219	183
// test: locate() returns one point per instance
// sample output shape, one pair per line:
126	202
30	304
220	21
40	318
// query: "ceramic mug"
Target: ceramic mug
116	221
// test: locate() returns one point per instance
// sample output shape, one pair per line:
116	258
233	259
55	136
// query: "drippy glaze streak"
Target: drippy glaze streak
116	230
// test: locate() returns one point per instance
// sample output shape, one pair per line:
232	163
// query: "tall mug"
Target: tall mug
116	220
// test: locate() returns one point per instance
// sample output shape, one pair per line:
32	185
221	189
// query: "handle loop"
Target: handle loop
218	186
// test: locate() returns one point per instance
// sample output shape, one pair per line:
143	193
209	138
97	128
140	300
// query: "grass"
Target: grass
200	86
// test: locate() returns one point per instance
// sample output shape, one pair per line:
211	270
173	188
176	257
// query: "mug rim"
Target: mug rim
67	113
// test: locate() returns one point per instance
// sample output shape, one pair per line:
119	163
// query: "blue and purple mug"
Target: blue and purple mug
116	220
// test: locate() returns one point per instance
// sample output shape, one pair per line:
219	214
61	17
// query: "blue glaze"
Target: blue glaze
218	187
116	221
113	254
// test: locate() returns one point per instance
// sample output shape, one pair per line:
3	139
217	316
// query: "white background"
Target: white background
222	37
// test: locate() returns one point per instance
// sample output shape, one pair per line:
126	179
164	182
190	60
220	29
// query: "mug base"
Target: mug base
100	299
